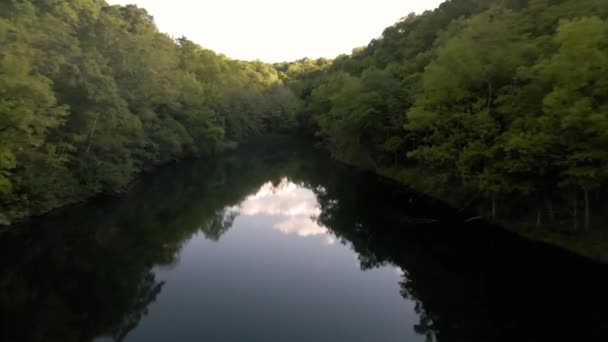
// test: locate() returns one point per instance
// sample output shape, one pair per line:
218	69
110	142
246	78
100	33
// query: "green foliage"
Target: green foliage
92	94
501	99
575	109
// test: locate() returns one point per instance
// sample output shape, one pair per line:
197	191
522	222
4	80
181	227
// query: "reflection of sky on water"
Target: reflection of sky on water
276	274
296	207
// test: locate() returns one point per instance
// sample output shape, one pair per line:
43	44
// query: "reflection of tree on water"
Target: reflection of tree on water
469	281
147	292
219	224
88	272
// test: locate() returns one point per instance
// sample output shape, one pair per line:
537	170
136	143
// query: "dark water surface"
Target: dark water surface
278	243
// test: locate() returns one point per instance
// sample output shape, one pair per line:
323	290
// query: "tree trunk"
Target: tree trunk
551	210
575	213
587	210
490	95
493	207
92	133
539	218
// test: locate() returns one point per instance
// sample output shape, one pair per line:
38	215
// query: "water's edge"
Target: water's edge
578	245
591	245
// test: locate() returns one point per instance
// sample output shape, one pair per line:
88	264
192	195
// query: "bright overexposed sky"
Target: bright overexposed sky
279	30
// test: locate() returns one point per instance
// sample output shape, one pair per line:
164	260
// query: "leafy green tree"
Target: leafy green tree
575	110
92	94
503	99
28	109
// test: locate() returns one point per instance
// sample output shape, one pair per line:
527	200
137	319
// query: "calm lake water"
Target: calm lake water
278	243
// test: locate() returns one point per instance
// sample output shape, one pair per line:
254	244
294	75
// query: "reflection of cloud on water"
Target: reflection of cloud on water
300	226
286	199
297	205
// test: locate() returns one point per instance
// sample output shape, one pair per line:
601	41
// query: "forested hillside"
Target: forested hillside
487	100
92	94
480	101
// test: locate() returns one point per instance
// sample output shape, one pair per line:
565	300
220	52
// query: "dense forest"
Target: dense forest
488	100
480	100
91	95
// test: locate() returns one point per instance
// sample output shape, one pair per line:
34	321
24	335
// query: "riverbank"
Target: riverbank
11	217
592	244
